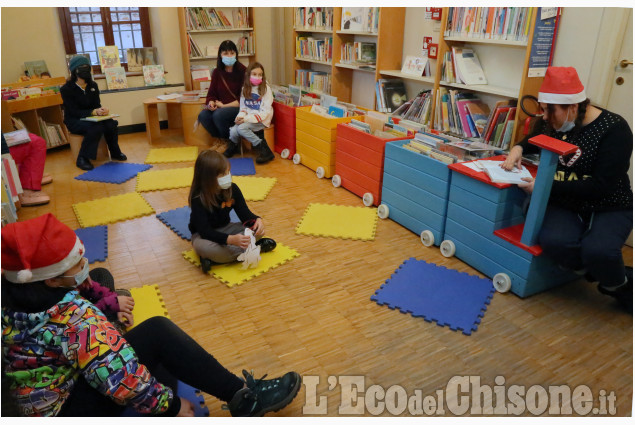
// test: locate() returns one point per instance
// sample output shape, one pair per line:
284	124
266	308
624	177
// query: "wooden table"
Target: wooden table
181	119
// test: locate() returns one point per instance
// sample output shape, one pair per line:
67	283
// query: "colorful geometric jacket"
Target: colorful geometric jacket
46	352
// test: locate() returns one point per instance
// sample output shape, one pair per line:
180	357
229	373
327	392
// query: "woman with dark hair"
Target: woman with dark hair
223	96
81	99
590	210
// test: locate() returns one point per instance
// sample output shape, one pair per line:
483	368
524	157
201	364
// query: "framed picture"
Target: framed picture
433	48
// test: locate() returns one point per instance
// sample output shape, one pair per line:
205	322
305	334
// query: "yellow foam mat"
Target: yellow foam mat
254	188
184	154
111	209
148	302
165	179
233	274
338	221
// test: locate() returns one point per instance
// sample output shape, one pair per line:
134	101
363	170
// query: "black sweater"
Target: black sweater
79	103
205	222
598	179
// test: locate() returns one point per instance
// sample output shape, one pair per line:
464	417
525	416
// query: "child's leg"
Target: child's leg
247	129
233	134
216	252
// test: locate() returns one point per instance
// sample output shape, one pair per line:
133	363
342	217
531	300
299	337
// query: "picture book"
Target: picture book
414	65
469	68
479	112
37	69
69	57
154	75
296	94
337	111
137	58
108	57
394	94
17	137
353	18
116	78
368	53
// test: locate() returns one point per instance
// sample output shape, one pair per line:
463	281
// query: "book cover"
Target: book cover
137	58
495	121
296	94
108	57
154	75
461	107
394	94
37	69
97	118
479	112
368	53
414	65
17	137
337	111
470	68
353	18
116	78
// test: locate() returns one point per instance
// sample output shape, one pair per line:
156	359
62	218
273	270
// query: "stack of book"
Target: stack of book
193	50
461	113
318	18
316	49
498	23
52	133
208	18
499	128
391	94
245	44
315	81
358	53
418	109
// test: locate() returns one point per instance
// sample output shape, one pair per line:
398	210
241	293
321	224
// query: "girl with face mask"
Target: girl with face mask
590	210
212	197
223	93
80	95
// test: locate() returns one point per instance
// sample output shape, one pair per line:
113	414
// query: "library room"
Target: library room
317	211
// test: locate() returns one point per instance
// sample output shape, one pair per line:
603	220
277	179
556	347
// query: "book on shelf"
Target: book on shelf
18	137
478	113
200	73
417	66
469	68
358	53
315	81
139	57
245	44
392	94
313	48
495	23
116	78
360	19
153	75
108	57
37	69
209	18
194	51
318	18
97	118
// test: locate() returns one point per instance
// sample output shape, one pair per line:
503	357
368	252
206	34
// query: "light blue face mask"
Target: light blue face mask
82	275
566	125
225	181
229	60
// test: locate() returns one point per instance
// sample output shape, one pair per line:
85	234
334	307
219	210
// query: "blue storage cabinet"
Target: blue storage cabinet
415	191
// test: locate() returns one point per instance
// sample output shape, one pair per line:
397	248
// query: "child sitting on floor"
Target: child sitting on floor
212	197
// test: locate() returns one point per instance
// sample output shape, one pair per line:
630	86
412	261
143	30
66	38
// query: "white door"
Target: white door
621	95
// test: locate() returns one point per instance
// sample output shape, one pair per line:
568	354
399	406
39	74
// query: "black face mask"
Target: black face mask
84	74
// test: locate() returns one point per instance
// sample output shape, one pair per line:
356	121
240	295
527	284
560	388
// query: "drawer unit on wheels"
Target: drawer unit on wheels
284	129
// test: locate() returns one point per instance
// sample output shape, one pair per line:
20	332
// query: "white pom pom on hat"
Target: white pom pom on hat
25	276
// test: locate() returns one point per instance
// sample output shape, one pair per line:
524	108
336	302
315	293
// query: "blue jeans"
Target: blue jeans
591	243
246	130
218	122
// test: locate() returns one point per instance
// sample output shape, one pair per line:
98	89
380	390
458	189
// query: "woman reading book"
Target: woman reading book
590	210
80	95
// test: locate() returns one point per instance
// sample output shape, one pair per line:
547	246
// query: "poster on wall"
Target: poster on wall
543	42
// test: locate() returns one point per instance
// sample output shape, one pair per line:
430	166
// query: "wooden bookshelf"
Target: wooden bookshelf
397	73
212	36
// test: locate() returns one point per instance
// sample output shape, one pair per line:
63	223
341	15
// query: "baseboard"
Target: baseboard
139	128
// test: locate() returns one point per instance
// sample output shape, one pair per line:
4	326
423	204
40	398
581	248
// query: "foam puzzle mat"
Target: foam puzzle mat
165	179
113	172
162	155
448	297
185	391
242	166
95	240
112	209
254	188
338	221
232	273
148	302
179	219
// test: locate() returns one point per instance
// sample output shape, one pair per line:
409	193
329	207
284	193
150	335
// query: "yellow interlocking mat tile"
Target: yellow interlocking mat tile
233	273
254	188
148	302
164	179
112	209
338	221
184	154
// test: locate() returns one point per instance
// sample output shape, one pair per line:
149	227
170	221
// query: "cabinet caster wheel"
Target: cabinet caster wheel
296	158
427	238
368	199
447	248
336	180
319	172
284	154
502	282
383	211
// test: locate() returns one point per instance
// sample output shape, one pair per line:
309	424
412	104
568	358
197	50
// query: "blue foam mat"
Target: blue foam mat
178	219
447	297
242	166
95	241
113	172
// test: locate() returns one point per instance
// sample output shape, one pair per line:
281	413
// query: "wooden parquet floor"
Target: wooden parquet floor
314	314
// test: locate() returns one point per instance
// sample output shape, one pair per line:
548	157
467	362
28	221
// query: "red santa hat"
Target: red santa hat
38	249
561	86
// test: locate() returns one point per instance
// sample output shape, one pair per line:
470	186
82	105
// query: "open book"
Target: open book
97	118
498	175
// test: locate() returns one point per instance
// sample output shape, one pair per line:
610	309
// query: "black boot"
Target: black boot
84	163
262	396
622	293
266	244
119	157
264	153
206	265
231	149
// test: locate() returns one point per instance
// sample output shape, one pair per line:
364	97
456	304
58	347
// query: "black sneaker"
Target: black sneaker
83	163
266	244
623	293
264	153
119	157
231	149
206	265
262	396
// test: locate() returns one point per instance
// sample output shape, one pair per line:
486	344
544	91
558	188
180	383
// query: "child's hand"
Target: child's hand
126	304
211	105
258	227
125	318
239	240
529	186
239	120
219	104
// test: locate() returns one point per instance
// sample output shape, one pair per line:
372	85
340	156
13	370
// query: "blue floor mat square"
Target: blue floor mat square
447	297
95	241
242	166
179	219
113	172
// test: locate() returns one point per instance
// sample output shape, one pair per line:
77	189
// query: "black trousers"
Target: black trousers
92	132
169	354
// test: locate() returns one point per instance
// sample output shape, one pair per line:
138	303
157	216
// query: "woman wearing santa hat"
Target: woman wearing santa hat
63	357
590	210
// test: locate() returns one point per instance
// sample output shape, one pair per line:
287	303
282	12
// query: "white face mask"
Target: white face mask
566	125
82	275
225	181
